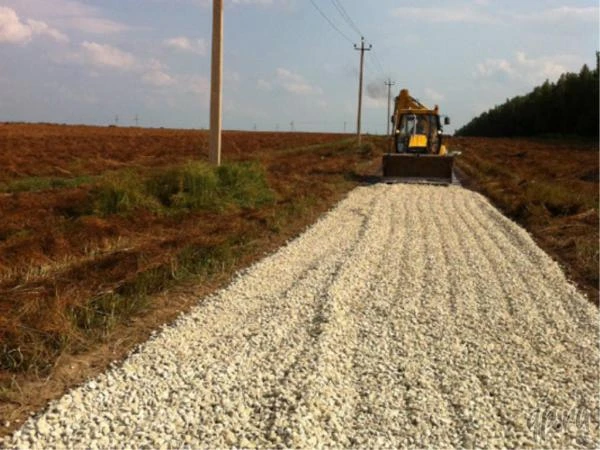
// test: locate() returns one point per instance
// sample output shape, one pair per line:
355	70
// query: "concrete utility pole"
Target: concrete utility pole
216	76
362	50
389	83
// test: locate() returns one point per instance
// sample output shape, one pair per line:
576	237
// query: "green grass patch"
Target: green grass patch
244	184
99	316
558	199
191	187
34	184
121	192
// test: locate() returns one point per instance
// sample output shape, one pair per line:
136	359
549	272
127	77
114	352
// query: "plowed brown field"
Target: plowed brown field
39	231
58	261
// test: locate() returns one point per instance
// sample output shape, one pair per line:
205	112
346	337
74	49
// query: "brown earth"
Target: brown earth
548	186
56	260
54	150
59	266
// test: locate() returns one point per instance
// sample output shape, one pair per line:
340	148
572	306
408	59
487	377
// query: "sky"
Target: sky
98	62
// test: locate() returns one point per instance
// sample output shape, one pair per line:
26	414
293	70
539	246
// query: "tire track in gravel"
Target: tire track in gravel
524	244
540	341
287	424
438	430
373	357
483	248
282	424
338	389
476	355
409	316
507	245
555	325
454	382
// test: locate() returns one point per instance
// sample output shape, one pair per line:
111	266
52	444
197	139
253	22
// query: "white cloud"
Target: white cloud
478	12
196	84
102	55
541	68
444	14
522	67
96	25
264	85
433	95
374	103
157	75
184	44
252	2
262	3
42	28
492	66
295	83
15	31
563	14
158	78
68	14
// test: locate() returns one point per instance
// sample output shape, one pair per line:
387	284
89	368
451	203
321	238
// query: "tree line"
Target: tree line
566	107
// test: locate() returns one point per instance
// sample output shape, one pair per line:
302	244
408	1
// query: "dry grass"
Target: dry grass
84	266
548	186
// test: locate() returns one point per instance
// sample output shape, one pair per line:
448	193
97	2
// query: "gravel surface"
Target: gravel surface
408	316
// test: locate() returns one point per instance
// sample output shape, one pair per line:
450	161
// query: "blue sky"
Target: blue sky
87	61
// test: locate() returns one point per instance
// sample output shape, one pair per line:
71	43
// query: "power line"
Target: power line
333	25
378	62
369	69
373	69
346	16
338	5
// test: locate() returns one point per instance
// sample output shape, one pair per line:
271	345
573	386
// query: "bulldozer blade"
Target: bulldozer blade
398	167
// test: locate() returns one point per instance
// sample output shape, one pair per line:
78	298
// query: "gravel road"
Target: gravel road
408	316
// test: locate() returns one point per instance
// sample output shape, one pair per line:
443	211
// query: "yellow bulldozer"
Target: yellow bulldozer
418	153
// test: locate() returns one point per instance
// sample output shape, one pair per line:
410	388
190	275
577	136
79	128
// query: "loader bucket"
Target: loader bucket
402	167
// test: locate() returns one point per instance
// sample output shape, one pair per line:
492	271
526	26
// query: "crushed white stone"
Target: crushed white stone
407	316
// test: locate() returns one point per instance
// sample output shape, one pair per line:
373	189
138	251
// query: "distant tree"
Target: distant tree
569	106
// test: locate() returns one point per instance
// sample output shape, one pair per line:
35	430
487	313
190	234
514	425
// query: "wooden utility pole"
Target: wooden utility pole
216	76
362	50
389	83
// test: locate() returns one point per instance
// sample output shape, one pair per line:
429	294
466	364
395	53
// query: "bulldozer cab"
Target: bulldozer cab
418	133
416	153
